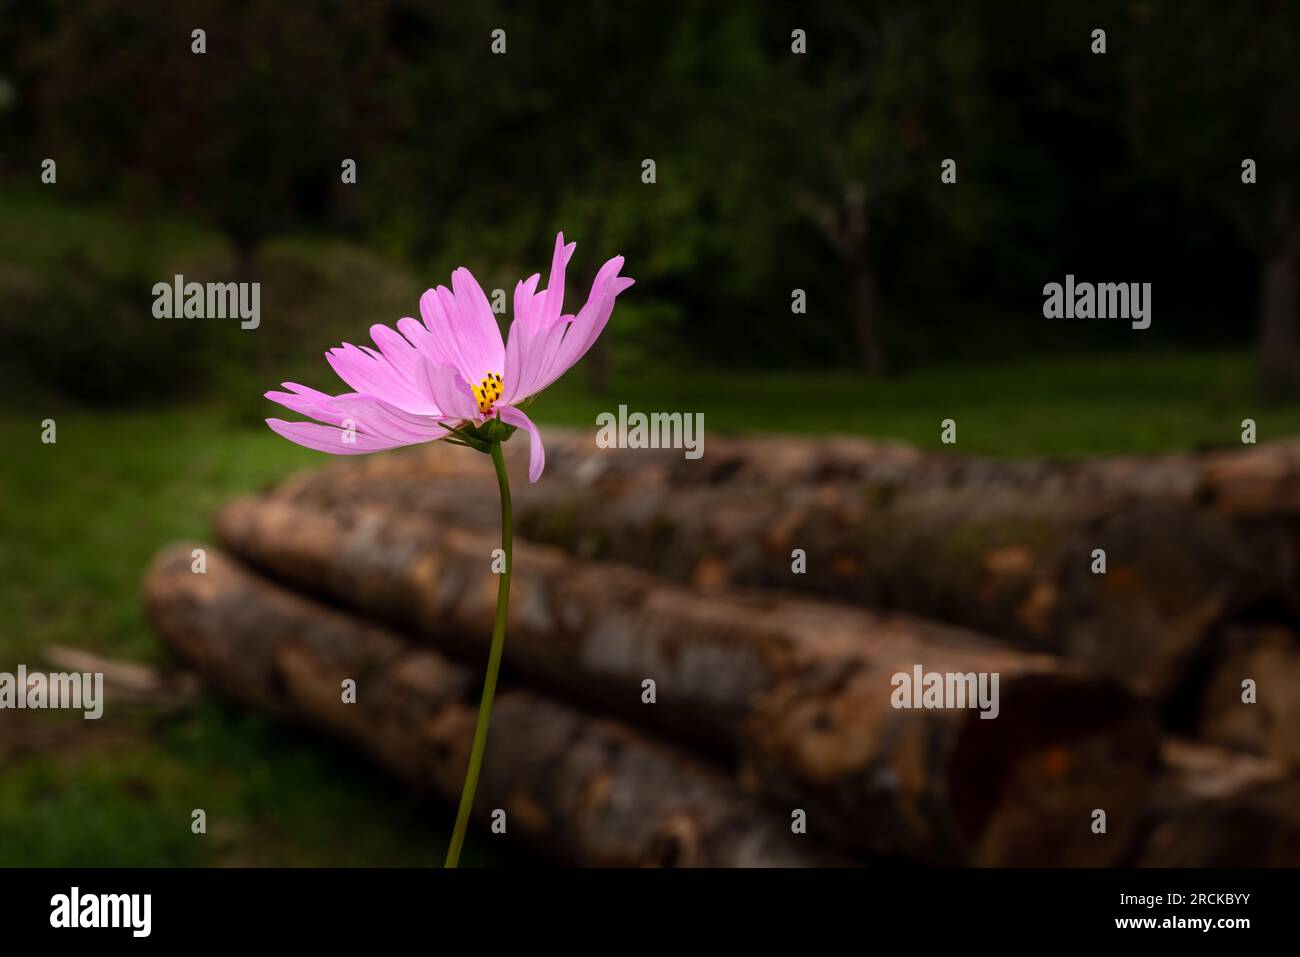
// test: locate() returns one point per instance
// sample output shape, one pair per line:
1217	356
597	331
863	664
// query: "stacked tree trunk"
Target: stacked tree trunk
580	787
1007	548
666	648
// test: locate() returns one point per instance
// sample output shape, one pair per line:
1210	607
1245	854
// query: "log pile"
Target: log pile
1004	548
679	691
588	788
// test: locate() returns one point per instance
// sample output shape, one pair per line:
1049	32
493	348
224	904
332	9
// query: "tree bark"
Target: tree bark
581	789
856	246
1279	302
799	692
245	257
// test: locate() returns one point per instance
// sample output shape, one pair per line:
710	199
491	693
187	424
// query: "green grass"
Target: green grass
81	519
1060	407
38	229
124	796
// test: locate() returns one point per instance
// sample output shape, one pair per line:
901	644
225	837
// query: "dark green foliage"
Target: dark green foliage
775	170
94	337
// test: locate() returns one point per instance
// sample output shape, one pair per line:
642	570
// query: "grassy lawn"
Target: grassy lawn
1060	407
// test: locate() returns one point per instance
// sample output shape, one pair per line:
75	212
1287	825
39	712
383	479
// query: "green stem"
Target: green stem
467	439
493	668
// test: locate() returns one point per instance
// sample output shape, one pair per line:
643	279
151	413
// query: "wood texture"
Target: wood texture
797	691
1268	655
1214	807
1003	547
582	789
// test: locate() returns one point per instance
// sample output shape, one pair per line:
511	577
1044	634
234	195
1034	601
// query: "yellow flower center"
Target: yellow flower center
487	392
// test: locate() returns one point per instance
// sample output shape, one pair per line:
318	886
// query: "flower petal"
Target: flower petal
307	402
450	391
585	328
463	328
480	335
440	347
526	296
326	438
369	372
553	303
379	418
397	350
527	346
536	452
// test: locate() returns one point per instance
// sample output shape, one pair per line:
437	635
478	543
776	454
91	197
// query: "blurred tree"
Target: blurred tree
756	147
885	93
248	135
549	137
1213	85
775	169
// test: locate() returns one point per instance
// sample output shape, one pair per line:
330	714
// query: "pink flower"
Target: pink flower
453	371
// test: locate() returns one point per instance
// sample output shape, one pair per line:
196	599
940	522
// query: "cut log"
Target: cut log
1008	548
801	692
1218	808
1193	772
1255	480
581	789
1264	716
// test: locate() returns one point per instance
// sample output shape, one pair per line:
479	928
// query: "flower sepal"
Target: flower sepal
482	435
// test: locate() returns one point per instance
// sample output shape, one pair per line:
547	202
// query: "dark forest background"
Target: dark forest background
775	170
